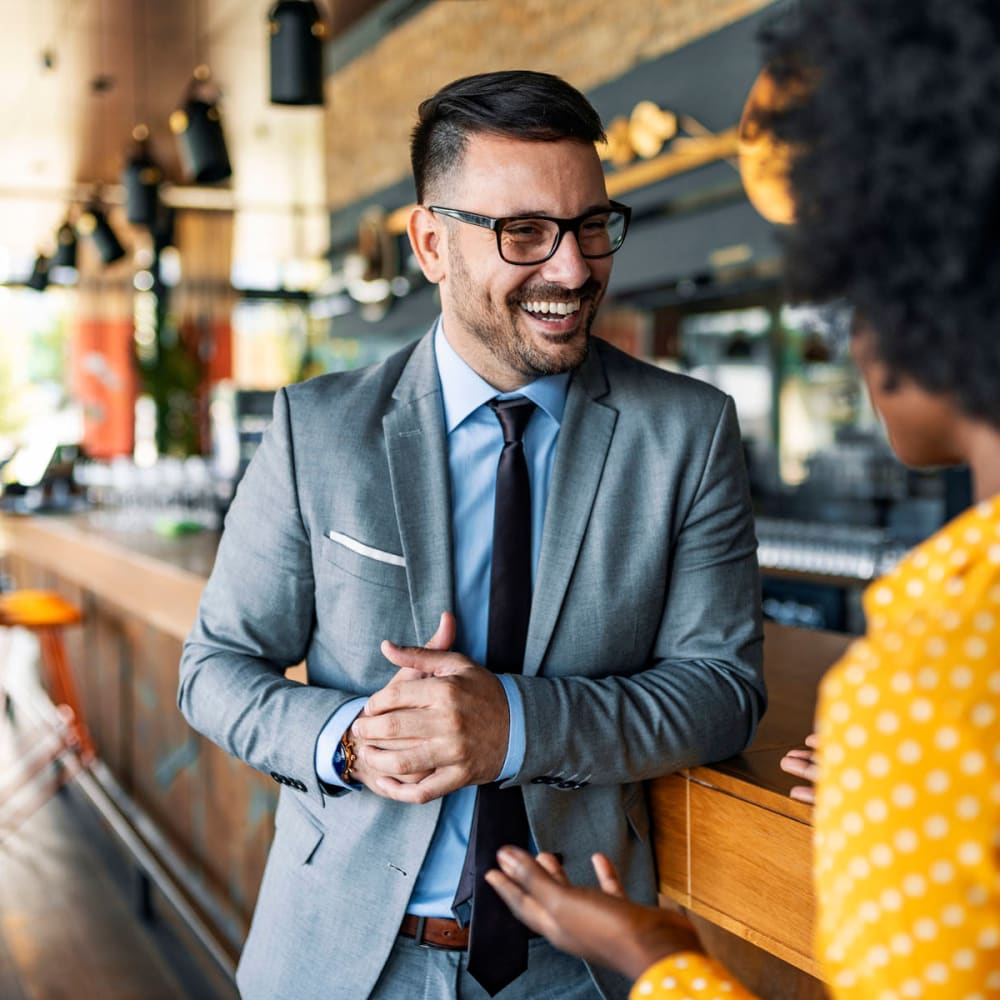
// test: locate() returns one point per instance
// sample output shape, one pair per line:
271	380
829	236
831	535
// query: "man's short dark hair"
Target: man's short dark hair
519	104
897	182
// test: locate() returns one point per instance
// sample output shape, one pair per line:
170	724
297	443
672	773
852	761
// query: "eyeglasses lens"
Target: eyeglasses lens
530	241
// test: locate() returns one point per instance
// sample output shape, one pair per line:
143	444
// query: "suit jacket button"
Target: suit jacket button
279	778
300	785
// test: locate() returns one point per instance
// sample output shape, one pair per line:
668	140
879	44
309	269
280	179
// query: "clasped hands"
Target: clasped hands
440	724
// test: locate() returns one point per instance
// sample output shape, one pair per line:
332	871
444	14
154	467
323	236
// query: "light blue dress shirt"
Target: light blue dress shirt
475	441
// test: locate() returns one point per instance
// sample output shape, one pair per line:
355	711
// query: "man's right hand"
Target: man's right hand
443	639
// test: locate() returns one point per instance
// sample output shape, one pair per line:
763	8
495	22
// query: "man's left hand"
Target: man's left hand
452	722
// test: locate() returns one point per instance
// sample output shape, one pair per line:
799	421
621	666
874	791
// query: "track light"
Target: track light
142	181
297	35
94	223
39	279
198	127
65	255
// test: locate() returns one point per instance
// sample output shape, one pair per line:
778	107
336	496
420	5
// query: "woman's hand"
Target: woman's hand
597	925
803	764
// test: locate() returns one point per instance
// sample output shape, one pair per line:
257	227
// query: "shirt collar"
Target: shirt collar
464	391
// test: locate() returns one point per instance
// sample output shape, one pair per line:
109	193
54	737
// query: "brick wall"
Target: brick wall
371	103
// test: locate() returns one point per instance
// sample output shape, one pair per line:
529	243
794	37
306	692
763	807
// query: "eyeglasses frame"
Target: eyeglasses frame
565	226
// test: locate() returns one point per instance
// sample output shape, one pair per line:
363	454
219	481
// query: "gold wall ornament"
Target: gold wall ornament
643	133
764	160
650	128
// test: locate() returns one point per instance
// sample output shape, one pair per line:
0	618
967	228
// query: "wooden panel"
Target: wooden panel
737	863
165	747
668	804
751	870
238	809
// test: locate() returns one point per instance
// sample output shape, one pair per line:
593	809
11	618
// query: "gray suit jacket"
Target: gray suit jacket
643	652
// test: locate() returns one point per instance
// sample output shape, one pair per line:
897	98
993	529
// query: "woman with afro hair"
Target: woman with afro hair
894	138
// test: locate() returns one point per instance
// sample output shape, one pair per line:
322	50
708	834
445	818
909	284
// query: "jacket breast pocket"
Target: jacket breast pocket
363	561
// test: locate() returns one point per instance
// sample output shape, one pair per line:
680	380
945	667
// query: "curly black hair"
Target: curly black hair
896	179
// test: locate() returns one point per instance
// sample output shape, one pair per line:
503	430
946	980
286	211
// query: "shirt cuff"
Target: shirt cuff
516	741
329	739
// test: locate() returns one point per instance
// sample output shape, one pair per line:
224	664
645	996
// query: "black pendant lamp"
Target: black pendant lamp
65	255
297	36
39	278
142	181
94	223
198	127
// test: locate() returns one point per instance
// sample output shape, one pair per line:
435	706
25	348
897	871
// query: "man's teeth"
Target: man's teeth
553	308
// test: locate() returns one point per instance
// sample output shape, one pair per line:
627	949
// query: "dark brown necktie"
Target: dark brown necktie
498	941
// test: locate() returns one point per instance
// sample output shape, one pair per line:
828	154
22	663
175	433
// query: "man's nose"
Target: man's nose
567	266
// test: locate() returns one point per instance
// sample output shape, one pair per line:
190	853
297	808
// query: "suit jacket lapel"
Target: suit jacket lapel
418	469
584	439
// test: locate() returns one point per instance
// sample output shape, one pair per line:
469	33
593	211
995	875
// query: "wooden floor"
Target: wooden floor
71	913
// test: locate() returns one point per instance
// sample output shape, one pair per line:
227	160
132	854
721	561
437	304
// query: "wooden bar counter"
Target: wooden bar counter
731	846
206	816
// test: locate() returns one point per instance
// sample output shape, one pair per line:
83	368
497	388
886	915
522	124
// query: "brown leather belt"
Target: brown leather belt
438	932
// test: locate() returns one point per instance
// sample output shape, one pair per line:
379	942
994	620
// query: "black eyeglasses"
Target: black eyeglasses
533	239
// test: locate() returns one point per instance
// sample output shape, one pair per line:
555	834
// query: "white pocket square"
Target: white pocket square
365	550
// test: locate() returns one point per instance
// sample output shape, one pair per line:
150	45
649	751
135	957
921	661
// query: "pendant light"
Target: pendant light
65	255
39	278
198	127
296	47
142	181
94	223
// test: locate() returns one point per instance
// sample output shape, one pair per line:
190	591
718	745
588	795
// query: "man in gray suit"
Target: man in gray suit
361	541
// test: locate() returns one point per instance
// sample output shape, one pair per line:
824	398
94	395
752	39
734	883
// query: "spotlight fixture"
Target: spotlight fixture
142	181
65	255
94	223
198	127
297	36
39	279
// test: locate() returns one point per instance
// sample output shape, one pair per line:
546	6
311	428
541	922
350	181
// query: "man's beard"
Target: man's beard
497	328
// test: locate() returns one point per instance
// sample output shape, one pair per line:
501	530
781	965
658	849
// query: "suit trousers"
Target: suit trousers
425	973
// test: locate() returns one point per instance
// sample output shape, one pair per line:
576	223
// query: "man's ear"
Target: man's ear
424	230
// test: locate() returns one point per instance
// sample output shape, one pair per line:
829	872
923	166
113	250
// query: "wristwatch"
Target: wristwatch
344	758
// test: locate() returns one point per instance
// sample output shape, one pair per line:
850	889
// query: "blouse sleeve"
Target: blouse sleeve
688	975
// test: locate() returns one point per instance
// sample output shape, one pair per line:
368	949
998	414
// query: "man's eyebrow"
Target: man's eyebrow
541	213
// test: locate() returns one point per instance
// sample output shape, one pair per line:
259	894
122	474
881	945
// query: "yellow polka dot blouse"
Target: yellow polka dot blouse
907	818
